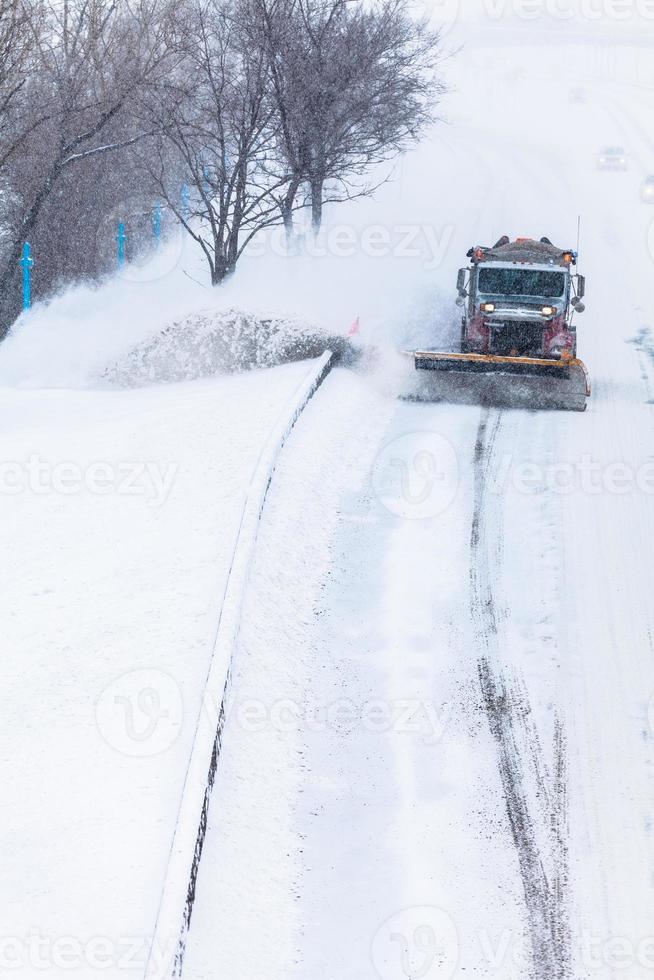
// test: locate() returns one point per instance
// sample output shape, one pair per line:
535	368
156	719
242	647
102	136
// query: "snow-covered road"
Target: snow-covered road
438	762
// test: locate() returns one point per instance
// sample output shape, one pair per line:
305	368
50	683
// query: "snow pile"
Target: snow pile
219	342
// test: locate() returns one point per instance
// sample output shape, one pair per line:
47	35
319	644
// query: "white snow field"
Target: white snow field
120	514
438	759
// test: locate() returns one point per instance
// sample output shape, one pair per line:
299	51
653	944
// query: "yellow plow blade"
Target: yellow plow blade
520	382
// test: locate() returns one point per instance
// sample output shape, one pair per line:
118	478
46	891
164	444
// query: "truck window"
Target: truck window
521	282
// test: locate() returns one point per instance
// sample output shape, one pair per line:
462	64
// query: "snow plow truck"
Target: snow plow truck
518	342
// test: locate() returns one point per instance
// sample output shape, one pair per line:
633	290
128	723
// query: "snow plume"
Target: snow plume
70	340
161	320
213	342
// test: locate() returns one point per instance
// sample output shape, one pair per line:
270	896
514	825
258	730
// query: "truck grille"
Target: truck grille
518	337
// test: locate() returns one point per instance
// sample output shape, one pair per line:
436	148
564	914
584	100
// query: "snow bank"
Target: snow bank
178	894
251	871
110	609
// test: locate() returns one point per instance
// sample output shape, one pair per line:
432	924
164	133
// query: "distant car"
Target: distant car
612	158
647	189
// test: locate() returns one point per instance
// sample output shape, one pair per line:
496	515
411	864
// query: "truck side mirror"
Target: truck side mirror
581	286
461	282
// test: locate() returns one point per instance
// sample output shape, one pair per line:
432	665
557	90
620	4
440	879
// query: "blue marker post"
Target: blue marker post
121	239
186	201
27	263
156	223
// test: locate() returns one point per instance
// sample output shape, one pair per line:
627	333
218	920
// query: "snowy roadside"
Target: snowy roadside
339	814
253	852
120	514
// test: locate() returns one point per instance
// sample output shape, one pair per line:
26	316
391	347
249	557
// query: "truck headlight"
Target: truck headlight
548	310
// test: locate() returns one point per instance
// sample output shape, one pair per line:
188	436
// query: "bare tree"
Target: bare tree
222	123
92	60
20	24
354	84
19	30
273	27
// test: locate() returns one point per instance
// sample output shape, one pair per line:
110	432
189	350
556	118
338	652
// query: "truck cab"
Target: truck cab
518	299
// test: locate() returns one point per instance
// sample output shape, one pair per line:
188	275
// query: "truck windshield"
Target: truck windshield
521	282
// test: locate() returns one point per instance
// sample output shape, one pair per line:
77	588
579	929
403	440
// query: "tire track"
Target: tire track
520	757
